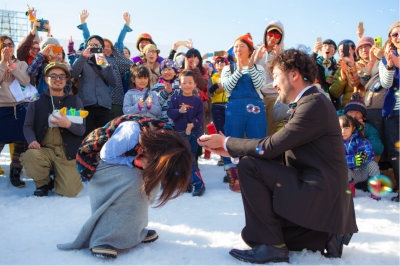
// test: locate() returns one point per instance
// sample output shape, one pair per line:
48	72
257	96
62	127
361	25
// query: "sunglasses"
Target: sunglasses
10	45
395	35
55	76
220	61
277	35
35	49
95	45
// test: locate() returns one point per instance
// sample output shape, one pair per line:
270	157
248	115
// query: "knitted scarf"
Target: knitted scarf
88	155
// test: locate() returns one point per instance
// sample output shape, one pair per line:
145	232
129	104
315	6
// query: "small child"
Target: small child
359	152
166	87
139	99
187	113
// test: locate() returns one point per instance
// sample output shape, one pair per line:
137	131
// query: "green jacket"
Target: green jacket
340	87
372	135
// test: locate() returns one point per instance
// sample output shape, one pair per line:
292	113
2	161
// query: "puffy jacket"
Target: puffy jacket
355	145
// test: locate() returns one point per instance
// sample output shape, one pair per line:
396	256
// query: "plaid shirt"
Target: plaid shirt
355	145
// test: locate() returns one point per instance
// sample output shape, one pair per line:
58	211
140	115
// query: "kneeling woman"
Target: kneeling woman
112	159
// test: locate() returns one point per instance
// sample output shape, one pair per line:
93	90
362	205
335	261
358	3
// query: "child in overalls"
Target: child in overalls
245	110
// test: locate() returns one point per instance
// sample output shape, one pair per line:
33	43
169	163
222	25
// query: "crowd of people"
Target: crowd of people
183	94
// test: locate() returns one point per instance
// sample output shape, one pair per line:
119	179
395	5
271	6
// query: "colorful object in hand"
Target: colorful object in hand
260	150
362	72
380	185
211	129
63	111
33	97
74	112
83	113
101	60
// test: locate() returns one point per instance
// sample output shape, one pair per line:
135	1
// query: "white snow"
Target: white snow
192	230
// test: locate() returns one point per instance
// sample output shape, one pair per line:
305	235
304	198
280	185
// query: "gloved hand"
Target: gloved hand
361	158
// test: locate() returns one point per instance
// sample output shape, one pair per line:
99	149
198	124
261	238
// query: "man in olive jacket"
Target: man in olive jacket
306	203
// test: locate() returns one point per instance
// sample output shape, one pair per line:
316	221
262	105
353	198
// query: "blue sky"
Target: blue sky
214	25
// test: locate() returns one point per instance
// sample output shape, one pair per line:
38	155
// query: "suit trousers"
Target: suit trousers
257	178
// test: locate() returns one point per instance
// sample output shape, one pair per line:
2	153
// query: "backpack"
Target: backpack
88	155
372	87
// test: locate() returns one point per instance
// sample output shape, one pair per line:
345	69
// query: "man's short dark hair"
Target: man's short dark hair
295	59
187	73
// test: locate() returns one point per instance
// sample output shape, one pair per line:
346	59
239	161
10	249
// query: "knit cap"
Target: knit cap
247	38
394	25
363	41
47	41
100	39
356	104
168	63
347	41
143	36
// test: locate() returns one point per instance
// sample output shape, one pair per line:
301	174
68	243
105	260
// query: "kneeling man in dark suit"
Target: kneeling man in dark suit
307	202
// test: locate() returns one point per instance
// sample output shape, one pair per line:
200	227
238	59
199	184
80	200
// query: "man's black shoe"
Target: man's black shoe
104	251
43	191
15	178
334	247
396	199
261	254
226	179
150	237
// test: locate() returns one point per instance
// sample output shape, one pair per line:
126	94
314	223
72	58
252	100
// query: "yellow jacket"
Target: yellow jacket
218	97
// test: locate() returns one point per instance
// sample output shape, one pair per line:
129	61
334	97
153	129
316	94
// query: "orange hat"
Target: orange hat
144	36
247	38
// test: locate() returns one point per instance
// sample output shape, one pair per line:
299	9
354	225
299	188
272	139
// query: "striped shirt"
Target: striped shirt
386	78
229	81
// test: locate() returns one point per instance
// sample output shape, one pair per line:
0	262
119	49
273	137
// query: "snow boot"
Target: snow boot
220	162
105	252
334	246
396	171
150	237
207	155
352	189
1	171
43	191
226	179
233	179
189	188
198	184
15	175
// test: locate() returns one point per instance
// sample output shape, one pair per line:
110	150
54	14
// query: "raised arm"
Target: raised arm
120	42
83	26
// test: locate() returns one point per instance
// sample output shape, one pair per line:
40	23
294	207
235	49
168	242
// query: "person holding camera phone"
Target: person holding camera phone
94	83
345	80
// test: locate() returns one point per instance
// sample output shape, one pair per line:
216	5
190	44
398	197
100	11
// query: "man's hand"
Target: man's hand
141	103
34	145
62	121
361	158
83	16
360	32
183	109
189	128
127	18
212	141
219	151
317	47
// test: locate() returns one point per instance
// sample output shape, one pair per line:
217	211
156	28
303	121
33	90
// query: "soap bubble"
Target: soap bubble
256	109
250	108
327	63
32	97
260	150
380	185
362	72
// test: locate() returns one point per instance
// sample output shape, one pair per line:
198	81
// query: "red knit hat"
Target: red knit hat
144	36
247	38
220	57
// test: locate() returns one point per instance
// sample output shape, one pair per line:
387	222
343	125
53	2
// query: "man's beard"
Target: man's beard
283	98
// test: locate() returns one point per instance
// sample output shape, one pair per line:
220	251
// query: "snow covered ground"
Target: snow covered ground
192	230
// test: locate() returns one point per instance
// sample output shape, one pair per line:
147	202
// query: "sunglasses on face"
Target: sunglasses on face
55	76
220	61
395	35
9	45
95	45
276	35
35	49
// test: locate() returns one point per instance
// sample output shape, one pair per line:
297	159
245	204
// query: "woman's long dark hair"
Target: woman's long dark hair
2	39
170	162
194	52
349	121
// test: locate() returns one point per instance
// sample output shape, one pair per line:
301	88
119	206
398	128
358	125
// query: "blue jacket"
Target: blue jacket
355	145
390	98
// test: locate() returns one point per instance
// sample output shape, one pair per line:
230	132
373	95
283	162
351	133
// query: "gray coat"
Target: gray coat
92	89
131	101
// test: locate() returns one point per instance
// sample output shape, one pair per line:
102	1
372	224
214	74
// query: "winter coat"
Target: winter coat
131	103
217	97
92	89
373	136
7	78
164	98
354	145
341	87
268	90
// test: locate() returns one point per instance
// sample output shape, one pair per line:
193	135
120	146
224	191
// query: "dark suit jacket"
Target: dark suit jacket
318	197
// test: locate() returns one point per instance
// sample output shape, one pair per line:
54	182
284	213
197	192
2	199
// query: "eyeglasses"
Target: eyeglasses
55	76
326	46
95	45
9	45
150	52
220	61
35	49
395	35
277	35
